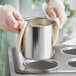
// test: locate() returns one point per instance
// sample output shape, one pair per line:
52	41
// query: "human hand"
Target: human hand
9	18
56	9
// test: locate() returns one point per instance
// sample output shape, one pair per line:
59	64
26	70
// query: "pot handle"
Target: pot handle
23	25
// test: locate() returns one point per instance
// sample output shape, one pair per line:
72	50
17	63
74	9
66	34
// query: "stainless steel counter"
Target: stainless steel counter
63	70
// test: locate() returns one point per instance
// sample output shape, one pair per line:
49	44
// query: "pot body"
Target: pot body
38	39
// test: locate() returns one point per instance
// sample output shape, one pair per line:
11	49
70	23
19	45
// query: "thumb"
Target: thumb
17	15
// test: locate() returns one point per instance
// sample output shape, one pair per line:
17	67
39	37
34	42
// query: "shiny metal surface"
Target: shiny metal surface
69	50
43	65
72	62
38	39
37	66
64	69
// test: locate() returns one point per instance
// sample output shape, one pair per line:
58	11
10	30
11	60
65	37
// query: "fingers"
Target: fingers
10	20
61	15
17	15
51	12
55	12
12	24
11	29
6	28
56	9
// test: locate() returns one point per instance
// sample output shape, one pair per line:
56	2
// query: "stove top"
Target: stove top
62	63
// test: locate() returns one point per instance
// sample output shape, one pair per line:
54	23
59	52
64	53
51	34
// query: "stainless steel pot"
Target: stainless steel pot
35	40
